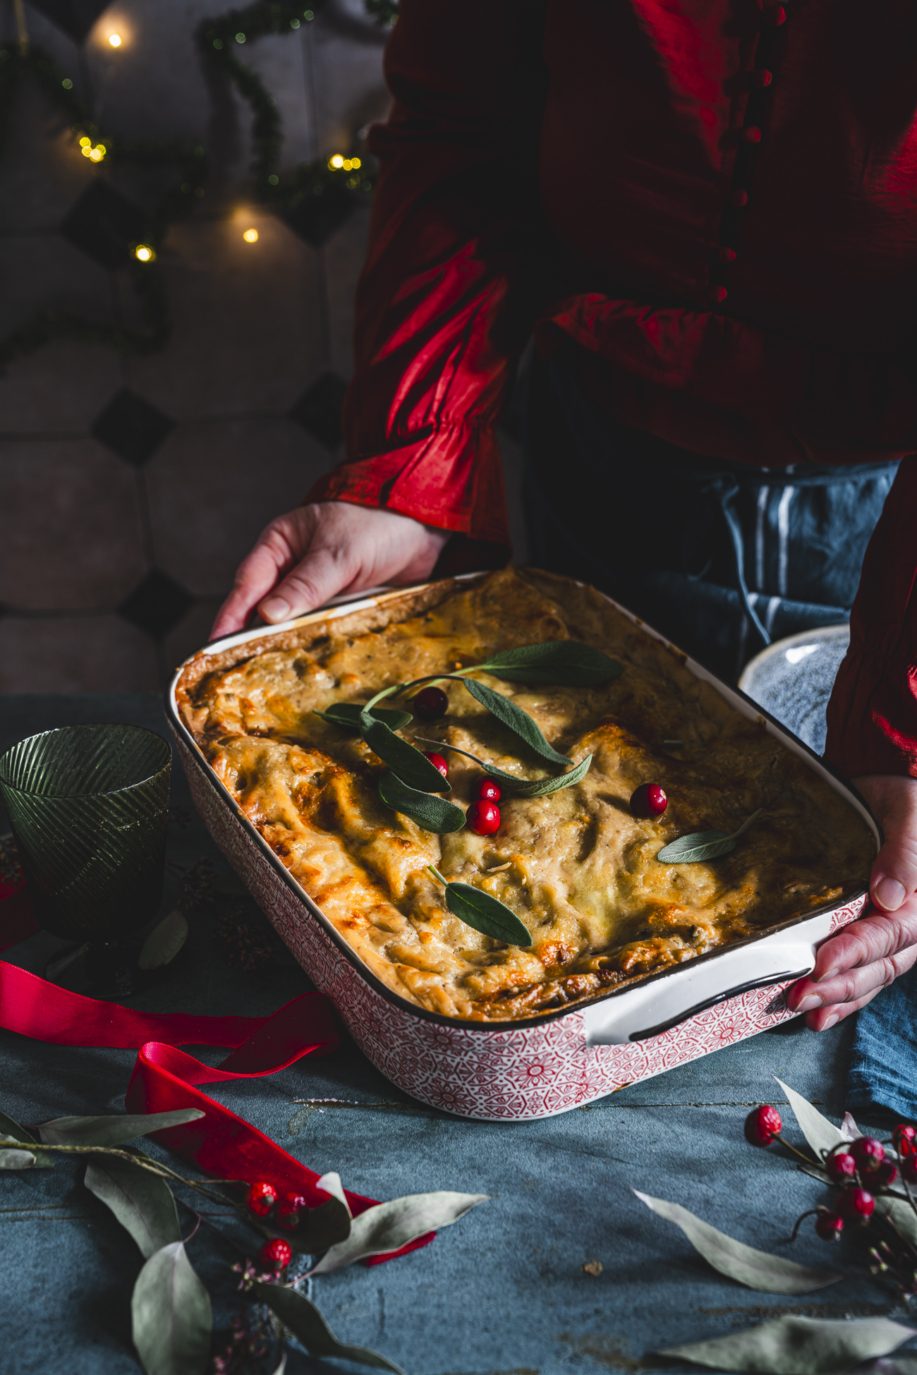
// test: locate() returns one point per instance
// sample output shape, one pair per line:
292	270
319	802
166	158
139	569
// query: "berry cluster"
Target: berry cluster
264	1201
859	1170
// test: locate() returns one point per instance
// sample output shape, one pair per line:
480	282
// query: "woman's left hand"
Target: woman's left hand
866	956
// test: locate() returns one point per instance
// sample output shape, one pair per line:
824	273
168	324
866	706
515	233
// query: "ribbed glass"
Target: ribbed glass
89	807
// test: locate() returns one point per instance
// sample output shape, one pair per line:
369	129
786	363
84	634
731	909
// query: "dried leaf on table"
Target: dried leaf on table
798	1346
389	1226
307	1325
141	1201
171	1315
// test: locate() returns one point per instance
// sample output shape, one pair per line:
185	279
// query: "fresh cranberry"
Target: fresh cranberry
430	704
841	1167
438	762
829	1226
856	1205
762	1125
868	1153
277	1253
489	791
909	1168
289	1209
483	818
648	801
886	1174
261	1198
905	1139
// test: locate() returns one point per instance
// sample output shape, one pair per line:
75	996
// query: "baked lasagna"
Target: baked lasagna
577	866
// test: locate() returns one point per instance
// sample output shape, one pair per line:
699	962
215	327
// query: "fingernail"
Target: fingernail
889	893
808	1003
275	609
829	1021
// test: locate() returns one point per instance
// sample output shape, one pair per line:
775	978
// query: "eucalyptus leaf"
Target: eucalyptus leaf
486	914
902	1216
112	1130
411	765
141	1201
516	720
430	812
798	1346
328	1223
348	714
171	1315
821	1134
10	1128
511	783
303	1319
164	942
849	1127
565	662
13	1159
389	1226
330	1183
753	1268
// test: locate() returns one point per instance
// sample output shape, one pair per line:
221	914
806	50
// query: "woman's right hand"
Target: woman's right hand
306	557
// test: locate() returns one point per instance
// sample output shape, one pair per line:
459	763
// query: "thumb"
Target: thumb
894	871
315	580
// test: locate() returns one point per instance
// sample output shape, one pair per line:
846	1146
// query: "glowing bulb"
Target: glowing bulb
97	153
336	162
356	163
144	253
251	235
115	40
85	142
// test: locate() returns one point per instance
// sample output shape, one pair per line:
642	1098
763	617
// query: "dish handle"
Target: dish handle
647	1010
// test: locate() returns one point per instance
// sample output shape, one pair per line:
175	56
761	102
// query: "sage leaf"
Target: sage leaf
141	1201
303	1319
164	942
112	1130
389	1226
348	714
13	1159
753	1268
701	846
430	812
821	1134
798	1346
516	720
565	662
411	765
479	910
171	1315
511	783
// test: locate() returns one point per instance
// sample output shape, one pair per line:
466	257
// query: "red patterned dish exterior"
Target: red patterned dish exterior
517	1074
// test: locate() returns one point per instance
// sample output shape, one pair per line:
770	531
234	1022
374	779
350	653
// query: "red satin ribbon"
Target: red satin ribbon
165	1078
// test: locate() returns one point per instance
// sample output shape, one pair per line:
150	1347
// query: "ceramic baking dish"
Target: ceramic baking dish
544	1065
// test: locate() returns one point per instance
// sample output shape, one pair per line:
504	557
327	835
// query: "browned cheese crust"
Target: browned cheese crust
576	866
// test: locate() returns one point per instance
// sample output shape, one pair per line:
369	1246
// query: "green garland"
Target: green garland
341	176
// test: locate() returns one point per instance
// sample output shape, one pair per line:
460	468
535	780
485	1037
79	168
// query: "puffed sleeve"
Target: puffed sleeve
447	295
872	715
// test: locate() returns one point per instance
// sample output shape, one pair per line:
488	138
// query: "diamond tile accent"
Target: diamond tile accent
75	17
131	427
103	224
316	218
156	604
318	410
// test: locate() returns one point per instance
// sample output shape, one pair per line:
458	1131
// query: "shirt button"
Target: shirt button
739	199
727	255
752	133
763	78
775	17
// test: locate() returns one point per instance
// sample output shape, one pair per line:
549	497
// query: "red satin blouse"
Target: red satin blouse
719	198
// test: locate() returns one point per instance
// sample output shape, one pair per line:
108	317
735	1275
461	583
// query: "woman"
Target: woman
706	214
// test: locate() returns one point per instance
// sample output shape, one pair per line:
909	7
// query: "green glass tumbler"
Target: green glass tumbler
89	806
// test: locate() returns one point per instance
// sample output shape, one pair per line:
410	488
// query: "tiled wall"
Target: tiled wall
130	486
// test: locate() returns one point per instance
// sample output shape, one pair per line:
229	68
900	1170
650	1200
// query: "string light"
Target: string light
251	235
338	163
144	253
115	40
95	152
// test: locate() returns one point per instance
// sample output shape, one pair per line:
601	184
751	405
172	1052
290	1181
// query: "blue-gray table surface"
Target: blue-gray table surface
501	1293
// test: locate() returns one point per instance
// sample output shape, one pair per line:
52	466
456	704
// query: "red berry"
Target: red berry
261	1198
430	704
886	1174
489	791
829	1226
868	1153
762	1125
289	1209
905	1139
856	1205
841	1167
909	1168
277	1253
648	800
483	818
438	762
